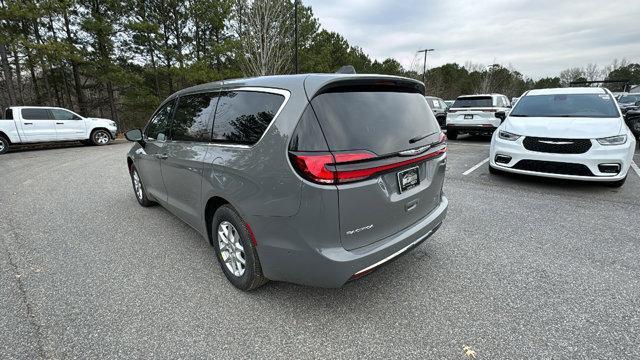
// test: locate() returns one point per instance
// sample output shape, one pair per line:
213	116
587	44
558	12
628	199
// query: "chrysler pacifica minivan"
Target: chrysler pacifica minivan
312	179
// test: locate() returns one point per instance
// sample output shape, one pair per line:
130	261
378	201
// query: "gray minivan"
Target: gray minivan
312	179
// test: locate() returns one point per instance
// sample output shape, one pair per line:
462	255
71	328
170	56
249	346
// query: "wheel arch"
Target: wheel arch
2	133
98	128
213	204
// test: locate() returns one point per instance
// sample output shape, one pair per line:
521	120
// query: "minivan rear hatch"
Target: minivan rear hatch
384	138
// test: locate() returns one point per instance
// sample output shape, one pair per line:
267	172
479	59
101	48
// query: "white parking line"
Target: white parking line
475	167
635	168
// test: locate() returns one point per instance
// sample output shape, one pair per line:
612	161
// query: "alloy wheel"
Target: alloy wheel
101	137
137	185
231	249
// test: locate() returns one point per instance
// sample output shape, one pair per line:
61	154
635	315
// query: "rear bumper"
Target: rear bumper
333	267
473	129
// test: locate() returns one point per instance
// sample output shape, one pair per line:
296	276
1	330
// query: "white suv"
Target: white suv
570	133
476	114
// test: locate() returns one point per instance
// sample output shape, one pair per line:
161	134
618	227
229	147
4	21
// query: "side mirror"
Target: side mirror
501	115
134	135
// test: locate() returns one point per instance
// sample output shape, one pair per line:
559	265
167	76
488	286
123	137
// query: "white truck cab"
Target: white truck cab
34	124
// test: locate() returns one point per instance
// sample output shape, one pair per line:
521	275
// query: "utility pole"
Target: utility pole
424	65
295	42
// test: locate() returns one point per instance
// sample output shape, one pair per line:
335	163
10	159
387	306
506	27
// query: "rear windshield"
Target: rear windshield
379	121
475	101
629	99
566	105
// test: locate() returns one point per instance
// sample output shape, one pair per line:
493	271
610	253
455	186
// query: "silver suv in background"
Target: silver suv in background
311	179
476	114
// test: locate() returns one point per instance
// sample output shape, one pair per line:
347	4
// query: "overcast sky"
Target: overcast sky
539	38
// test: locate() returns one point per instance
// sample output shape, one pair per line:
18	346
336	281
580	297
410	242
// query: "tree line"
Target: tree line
120	58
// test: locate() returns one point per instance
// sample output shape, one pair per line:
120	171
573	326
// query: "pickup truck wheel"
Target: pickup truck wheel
138	188
4	145
100	137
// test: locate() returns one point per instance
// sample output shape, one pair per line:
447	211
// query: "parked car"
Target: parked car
476	114
628	102
35	124
569	133
311	179
439	108
632	118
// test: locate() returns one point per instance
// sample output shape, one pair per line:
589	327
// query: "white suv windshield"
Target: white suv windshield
566	105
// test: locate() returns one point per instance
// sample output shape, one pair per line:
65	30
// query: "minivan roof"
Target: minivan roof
311	83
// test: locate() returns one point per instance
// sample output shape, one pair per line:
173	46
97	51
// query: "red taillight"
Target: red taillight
323	168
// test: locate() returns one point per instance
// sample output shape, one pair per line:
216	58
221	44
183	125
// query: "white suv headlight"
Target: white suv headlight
505	135
613	140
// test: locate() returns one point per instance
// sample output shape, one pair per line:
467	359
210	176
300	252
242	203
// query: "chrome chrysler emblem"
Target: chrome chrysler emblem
415	151
556	142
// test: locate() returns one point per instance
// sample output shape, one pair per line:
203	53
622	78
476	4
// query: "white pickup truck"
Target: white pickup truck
34	124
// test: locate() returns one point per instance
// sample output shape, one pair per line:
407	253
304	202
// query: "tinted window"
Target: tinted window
475	101
308	135
379	121
36	114
158	126
60	114
8	114
243	116
629	99
566	105
192	120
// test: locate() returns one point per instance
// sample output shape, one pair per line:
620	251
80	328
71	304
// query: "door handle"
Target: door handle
28	123
60	123
162	156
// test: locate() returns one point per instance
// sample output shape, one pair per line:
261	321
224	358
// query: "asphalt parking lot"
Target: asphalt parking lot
522	268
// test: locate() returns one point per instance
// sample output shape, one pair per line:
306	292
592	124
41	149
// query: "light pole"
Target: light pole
424	65
295	41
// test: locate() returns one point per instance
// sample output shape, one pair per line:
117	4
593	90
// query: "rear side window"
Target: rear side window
379	121
60	114
473	101
193	117
308	136
36	114
8	114
158	127
243	116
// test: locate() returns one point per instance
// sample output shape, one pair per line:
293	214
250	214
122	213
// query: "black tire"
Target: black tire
251	277
100	137
634	125
141	195
4	145
452	134
616	184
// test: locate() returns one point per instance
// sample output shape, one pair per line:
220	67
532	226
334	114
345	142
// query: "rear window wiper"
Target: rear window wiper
418	138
